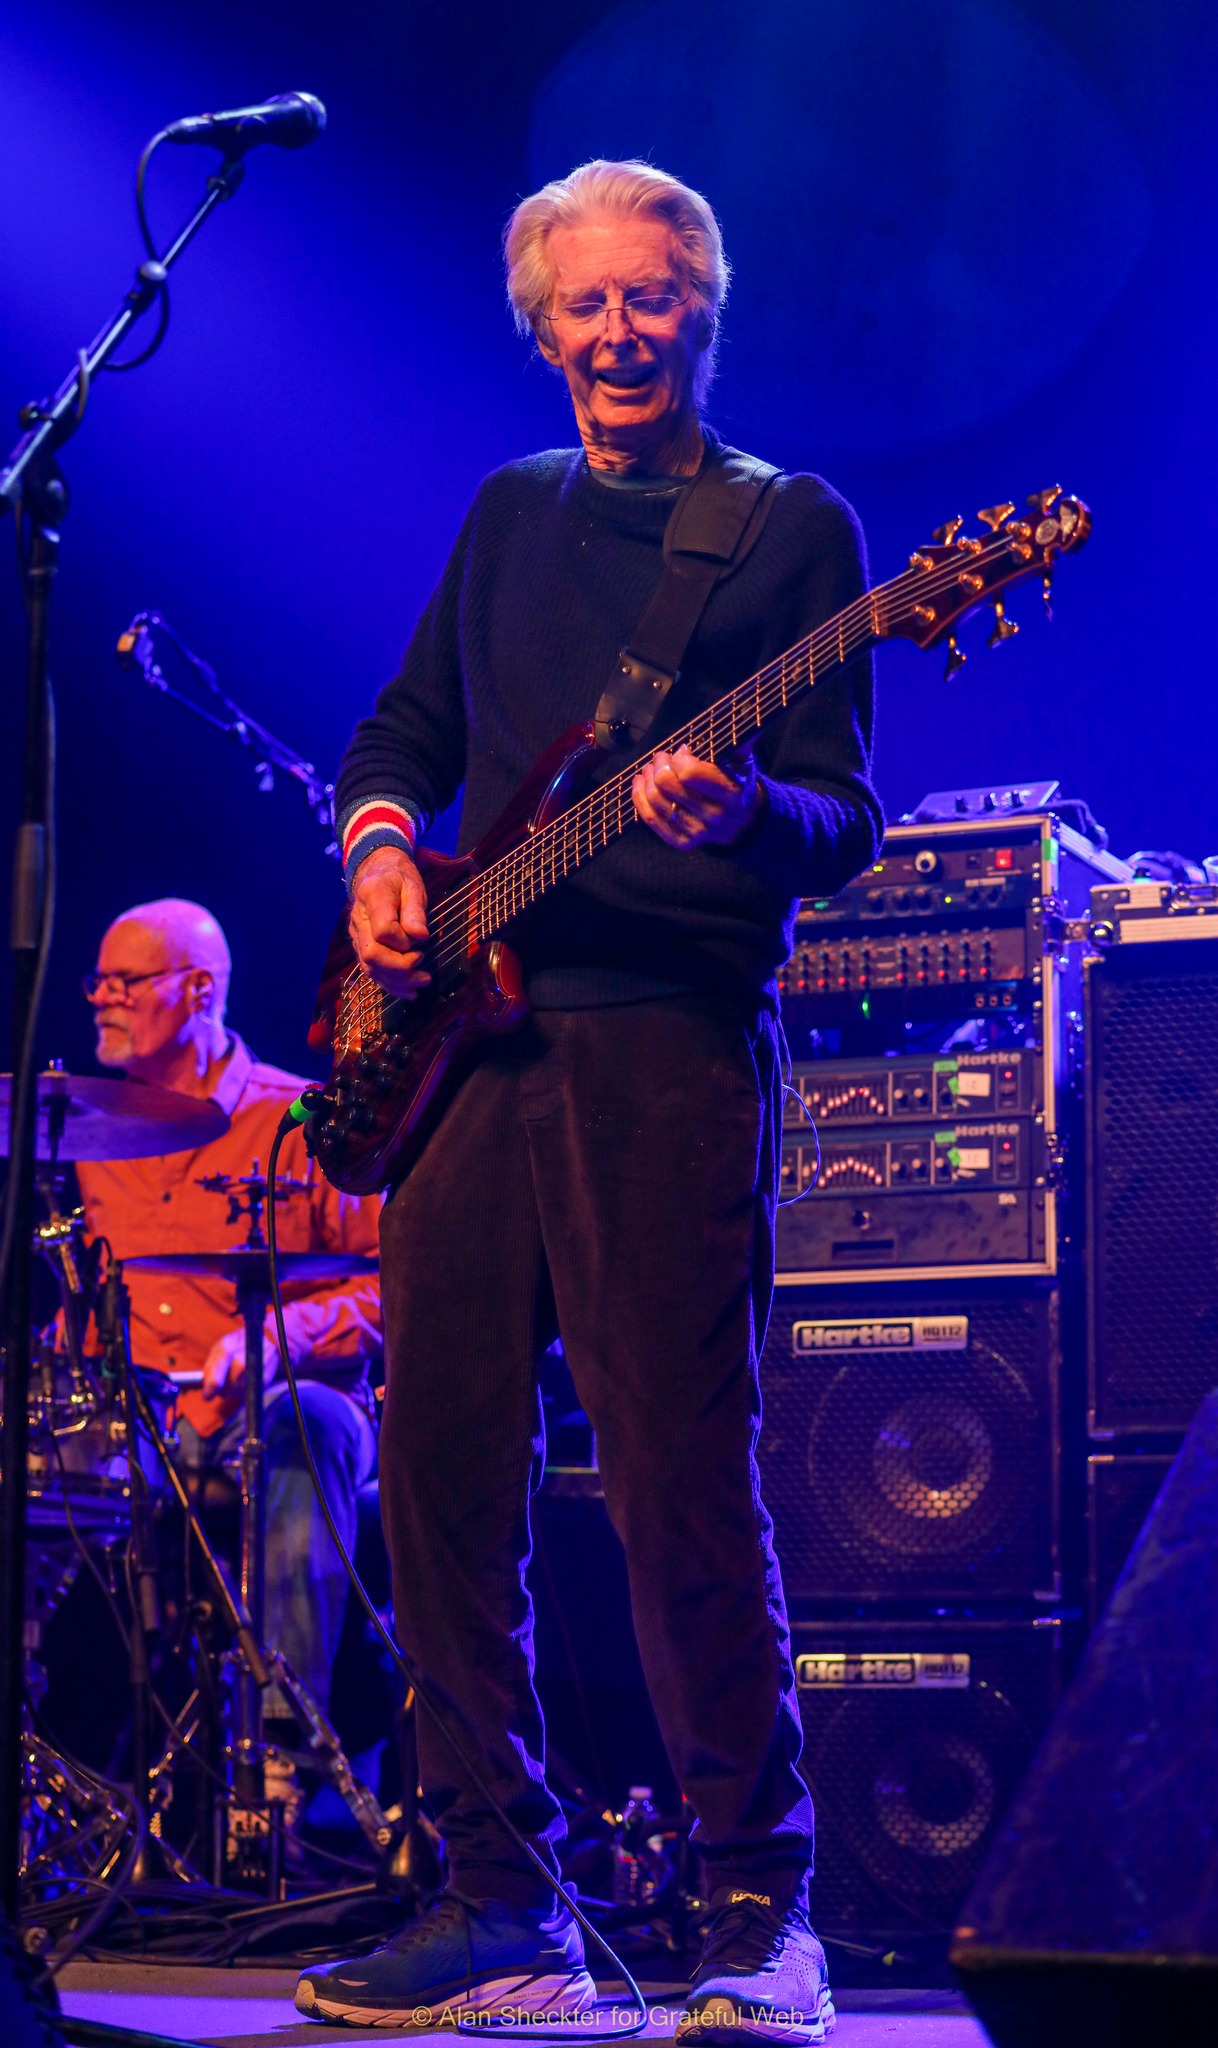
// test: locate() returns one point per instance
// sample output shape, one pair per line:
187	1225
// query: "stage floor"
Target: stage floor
253	2009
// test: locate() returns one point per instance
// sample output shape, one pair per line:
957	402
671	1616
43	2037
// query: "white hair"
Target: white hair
625	189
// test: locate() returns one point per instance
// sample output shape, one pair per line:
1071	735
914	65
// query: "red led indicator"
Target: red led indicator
1005	857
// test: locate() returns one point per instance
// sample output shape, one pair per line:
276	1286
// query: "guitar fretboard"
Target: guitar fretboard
484	905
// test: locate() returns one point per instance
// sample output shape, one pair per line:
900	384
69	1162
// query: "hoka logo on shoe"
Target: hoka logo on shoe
758	1898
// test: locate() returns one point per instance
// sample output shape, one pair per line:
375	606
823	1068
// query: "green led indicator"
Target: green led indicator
865	1006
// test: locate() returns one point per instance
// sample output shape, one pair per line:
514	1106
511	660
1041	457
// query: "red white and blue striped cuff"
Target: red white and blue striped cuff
375	821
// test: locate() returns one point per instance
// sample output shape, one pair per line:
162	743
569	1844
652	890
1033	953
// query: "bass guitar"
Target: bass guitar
396	1059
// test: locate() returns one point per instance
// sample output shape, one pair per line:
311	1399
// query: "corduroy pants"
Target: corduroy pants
610	1174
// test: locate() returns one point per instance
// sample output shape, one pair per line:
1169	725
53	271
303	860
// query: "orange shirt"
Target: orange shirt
157	1205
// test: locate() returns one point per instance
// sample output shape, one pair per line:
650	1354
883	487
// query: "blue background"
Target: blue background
973	250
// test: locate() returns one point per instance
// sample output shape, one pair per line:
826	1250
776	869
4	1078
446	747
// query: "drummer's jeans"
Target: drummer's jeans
612	1171
306	1586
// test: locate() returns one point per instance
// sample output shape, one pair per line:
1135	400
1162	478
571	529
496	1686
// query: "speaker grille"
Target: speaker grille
926	1473
910	1785
1153	1106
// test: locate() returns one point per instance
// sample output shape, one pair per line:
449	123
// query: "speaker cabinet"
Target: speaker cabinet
1152	1169
909	1444
916	1735
1121	1491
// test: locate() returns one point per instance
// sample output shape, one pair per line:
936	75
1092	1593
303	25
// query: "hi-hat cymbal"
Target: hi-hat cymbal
244	1264
101	1118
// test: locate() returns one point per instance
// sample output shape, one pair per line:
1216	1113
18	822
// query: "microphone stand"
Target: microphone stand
136	650
31	482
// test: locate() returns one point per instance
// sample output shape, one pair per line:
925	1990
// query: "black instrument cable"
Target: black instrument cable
297	1114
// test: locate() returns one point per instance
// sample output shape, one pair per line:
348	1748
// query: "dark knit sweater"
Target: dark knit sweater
550	575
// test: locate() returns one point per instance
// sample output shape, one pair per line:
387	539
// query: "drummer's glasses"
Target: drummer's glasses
122	984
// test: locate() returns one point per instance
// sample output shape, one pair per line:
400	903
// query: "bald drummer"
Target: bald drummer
159	994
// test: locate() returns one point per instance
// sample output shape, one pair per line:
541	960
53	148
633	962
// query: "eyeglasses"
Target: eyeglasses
94	983
643	305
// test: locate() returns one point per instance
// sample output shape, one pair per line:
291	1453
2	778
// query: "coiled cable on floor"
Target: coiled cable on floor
299	1113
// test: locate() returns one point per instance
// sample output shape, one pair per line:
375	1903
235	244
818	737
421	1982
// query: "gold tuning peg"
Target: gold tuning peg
994	515
1040	501
1046	591
956	657
1004	628
943	536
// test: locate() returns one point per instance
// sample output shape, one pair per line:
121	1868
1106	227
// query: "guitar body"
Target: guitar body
397	1059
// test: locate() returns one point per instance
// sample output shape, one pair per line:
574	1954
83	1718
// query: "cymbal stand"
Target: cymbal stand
117	1343
257	1666
58	1239
253	1301
112	1315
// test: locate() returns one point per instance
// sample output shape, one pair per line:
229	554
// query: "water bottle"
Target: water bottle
633	1875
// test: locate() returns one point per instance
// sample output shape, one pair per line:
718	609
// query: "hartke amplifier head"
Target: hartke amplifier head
1152	1170
915	1738
911	1450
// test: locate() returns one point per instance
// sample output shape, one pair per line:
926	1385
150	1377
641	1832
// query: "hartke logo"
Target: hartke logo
884	1671
891	1333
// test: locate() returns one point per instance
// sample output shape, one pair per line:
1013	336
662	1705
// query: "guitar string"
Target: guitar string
499	889
509	885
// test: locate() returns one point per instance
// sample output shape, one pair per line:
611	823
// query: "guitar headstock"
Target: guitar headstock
957	572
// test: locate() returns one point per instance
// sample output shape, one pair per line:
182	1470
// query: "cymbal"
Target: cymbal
242	1264
103	1118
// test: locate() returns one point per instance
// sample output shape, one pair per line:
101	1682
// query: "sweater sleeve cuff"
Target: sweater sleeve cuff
792	825
376	821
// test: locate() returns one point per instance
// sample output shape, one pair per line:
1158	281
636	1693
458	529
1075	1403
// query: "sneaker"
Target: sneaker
762	1977
464	1957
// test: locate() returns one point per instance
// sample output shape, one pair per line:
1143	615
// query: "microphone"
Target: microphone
289	120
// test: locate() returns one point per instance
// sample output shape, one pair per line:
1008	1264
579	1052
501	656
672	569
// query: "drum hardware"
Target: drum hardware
246	1197
58	1240
74	1830
253	1846
114	1326
112	1309
100	1448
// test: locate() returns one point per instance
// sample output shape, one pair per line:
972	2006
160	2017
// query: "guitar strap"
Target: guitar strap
713	526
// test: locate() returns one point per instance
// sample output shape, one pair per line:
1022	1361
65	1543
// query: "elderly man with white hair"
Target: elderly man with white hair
158	993
610	1170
